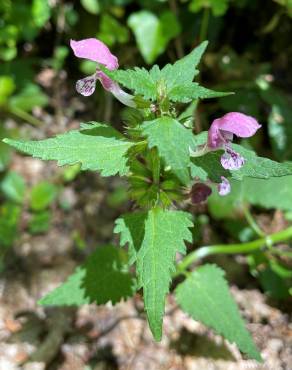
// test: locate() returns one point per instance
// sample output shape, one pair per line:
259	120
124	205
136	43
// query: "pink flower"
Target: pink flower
97	51
220	136
221	133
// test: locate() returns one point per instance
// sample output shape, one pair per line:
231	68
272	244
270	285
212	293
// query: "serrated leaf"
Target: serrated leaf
101	279
138	79
100	148
205	296
188	92
184	70
173	142
165	233
131	228
209	166
173	76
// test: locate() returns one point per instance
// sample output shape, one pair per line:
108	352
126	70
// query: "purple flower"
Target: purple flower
221	133
97	51
224	187
200	192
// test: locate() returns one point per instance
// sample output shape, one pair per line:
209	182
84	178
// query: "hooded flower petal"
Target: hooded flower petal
224	187
115	89
96	51
200	192
122	96
106	82
231	160
86	86
222	129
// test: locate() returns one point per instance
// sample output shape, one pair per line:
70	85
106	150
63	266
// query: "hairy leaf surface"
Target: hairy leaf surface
188	92
173	141
205	296
165	233
131	228
97	147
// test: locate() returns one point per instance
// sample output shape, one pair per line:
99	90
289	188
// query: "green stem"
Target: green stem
25	116
252	221
155	165
204	24
232	248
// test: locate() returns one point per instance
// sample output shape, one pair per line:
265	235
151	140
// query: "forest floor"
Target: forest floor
109	337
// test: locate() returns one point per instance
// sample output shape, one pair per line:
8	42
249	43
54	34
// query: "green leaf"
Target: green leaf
205	296
269	193
40	222
96	146
131	228
9	219
92	6
13	187
184	70
259	167
209	166
7	86
152	33
31	96
218	7
42	195
173	142
41	12
175	78
165	233
101	279
188	92
258	192
279	121
5	150
111	31
138	79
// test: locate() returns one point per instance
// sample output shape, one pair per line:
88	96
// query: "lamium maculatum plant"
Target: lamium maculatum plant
164	163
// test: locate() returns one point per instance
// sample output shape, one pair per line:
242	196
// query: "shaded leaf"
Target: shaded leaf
131	228
101	279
